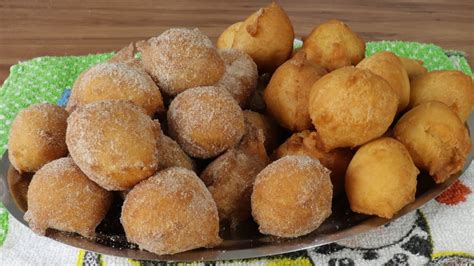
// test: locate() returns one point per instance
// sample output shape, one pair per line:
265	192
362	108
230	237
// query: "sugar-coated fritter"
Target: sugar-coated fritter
37	136
205	121
114	143
291	196
171	212
60	196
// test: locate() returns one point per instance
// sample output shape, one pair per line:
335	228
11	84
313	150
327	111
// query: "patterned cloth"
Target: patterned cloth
439	232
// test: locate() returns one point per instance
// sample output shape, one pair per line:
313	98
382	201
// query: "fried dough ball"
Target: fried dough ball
241	75
60	196
230	177
267	36
37	136
113	142
116	81
286	96
388	66
351	106
205	121
437	140
180	59
170	154
413	67
305	143
226	39
452	87
271	131
381	178
334	45
291	196
171	212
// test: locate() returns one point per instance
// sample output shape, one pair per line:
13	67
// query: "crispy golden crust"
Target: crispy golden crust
286	96
113	142
351	106
230	177
258	34
413	67
388	66
37	136
116	81
171	212
437	140
226	39
334	45
180	59
291	196
452	87
381	178
60	196
205	121
305	143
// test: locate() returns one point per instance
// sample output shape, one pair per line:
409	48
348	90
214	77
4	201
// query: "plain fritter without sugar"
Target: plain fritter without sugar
333	45
351	106
381	178
436	138
230	176
226	39
205	121
292	196
413	67
305	143
451	87
267	36
180	59
114	143
240	76
62	197
171	212
286	96
37	136
388	66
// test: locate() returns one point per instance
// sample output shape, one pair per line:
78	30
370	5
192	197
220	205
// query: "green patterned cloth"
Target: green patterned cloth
427	237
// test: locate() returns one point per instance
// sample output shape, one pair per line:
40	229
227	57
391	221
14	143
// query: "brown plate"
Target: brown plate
244	242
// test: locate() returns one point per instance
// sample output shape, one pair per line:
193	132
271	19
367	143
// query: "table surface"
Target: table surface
62	27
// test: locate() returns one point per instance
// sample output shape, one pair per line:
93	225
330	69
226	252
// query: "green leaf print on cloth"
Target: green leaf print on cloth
3	223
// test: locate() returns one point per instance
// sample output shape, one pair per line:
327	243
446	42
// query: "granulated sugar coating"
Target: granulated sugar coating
37	137
113	142
292	196
60	196
230	177
205	121
240	76
116	81
170	154
180	59
171	212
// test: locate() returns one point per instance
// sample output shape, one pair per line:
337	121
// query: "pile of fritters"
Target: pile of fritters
182	135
